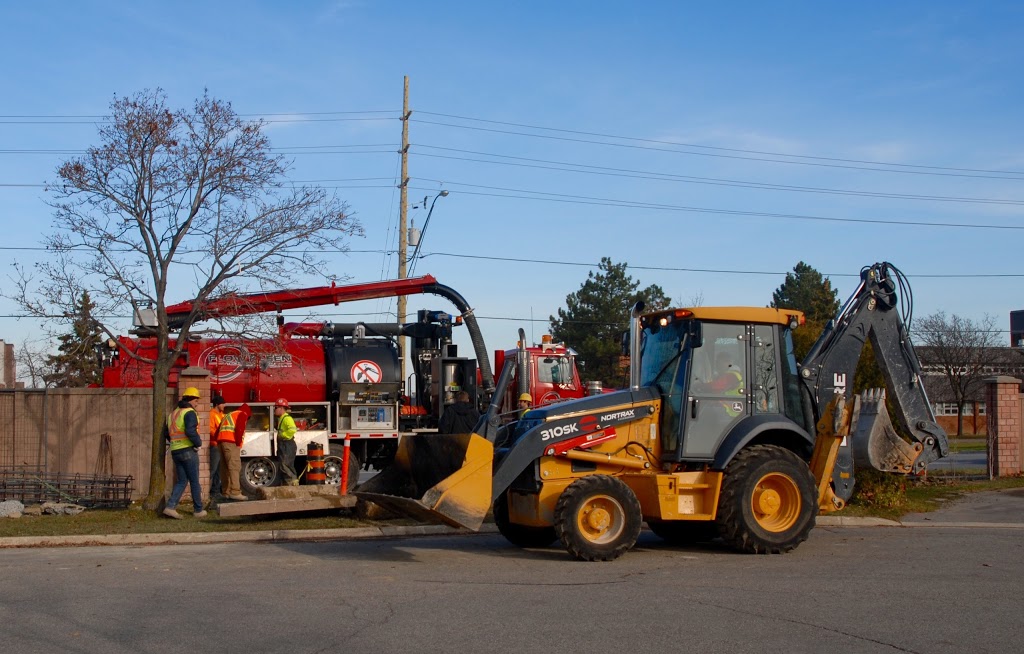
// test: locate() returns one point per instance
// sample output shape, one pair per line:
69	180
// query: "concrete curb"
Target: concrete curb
262	536
361	533
844	521
965	525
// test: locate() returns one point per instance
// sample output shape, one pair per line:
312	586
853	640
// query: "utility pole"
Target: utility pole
403	232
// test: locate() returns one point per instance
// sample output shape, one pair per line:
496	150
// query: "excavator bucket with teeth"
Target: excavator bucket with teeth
875	442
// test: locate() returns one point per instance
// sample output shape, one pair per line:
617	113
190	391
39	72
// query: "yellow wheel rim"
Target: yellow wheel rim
601	519
776	502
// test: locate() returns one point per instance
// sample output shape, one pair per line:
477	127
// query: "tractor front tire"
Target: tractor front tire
598	518
520	535
767	504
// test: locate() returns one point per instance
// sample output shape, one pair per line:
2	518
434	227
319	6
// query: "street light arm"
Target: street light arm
423	232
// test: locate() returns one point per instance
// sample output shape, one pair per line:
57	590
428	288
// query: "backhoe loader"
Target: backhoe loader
720	434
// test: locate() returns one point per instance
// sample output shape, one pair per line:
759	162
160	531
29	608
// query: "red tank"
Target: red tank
242	371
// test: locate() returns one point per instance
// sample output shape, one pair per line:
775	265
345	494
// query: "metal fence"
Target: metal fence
31	486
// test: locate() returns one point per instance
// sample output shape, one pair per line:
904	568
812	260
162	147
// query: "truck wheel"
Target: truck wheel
258	473
332	469
597	518
767	504
520	535
683	532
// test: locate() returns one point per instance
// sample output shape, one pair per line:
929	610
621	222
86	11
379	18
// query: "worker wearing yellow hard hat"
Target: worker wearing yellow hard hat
185	442
525	401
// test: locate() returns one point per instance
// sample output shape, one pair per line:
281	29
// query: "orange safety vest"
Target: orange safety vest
176	429
216	416
227	428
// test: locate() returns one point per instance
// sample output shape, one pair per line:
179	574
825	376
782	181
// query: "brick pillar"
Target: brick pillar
1003	412
200	378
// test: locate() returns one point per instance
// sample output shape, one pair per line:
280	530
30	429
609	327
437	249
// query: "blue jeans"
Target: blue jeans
186	471
215	482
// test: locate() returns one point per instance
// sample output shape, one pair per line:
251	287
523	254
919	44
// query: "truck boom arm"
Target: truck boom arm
242	304
873	313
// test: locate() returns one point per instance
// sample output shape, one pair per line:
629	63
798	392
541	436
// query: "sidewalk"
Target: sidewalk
1002	509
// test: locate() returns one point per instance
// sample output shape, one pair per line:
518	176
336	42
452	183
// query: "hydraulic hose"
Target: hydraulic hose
479	348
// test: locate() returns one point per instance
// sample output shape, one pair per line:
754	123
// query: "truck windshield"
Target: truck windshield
662	352
665	360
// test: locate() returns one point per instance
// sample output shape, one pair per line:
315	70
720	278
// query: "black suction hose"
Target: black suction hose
486	375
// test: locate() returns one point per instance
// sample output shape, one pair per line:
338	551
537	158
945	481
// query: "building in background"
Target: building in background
1017	328
8	372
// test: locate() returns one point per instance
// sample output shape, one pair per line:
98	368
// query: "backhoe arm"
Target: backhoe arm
872	313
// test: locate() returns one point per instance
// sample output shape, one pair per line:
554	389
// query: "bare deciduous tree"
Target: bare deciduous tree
193	197
961	349
31	357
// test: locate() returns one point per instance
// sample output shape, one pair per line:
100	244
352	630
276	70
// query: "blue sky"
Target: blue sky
710	146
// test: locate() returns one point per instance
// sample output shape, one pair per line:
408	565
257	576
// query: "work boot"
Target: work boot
293	482
171	513
201	514
238	498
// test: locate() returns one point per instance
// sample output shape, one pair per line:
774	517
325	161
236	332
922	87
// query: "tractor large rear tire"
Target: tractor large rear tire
767	504
520	535
598	518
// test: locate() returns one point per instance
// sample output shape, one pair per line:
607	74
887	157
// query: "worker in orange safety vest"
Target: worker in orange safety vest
229	440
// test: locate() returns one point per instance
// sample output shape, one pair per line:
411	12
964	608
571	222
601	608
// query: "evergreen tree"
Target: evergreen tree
596	316
75	363
805	289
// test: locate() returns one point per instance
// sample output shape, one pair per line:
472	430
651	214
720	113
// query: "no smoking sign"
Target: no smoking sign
366	372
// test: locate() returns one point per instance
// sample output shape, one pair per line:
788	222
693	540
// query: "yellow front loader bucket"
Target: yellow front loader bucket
436	478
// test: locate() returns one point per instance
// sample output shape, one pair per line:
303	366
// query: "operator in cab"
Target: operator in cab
525	402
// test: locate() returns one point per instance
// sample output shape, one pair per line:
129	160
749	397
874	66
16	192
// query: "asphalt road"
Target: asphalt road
932	590
973	460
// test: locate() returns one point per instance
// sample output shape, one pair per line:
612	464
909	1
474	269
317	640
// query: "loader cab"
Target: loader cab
718	370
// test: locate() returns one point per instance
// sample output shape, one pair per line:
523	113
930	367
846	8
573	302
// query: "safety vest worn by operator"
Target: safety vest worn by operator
176	429
731	383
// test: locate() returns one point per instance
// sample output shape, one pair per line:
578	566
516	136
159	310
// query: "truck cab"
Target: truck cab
725	375
546	370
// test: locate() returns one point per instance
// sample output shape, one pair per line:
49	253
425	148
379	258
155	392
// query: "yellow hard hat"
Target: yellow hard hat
526	397
191	391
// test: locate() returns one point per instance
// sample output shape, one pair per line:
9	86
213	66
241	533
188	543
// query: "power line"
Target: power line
565	198
332	116
633	204
585	264
1000	174
723	149
708	270
670	177
288	149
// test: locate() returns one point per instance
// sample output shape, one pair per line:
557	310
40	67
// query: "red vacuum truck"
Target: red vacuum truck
343	380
